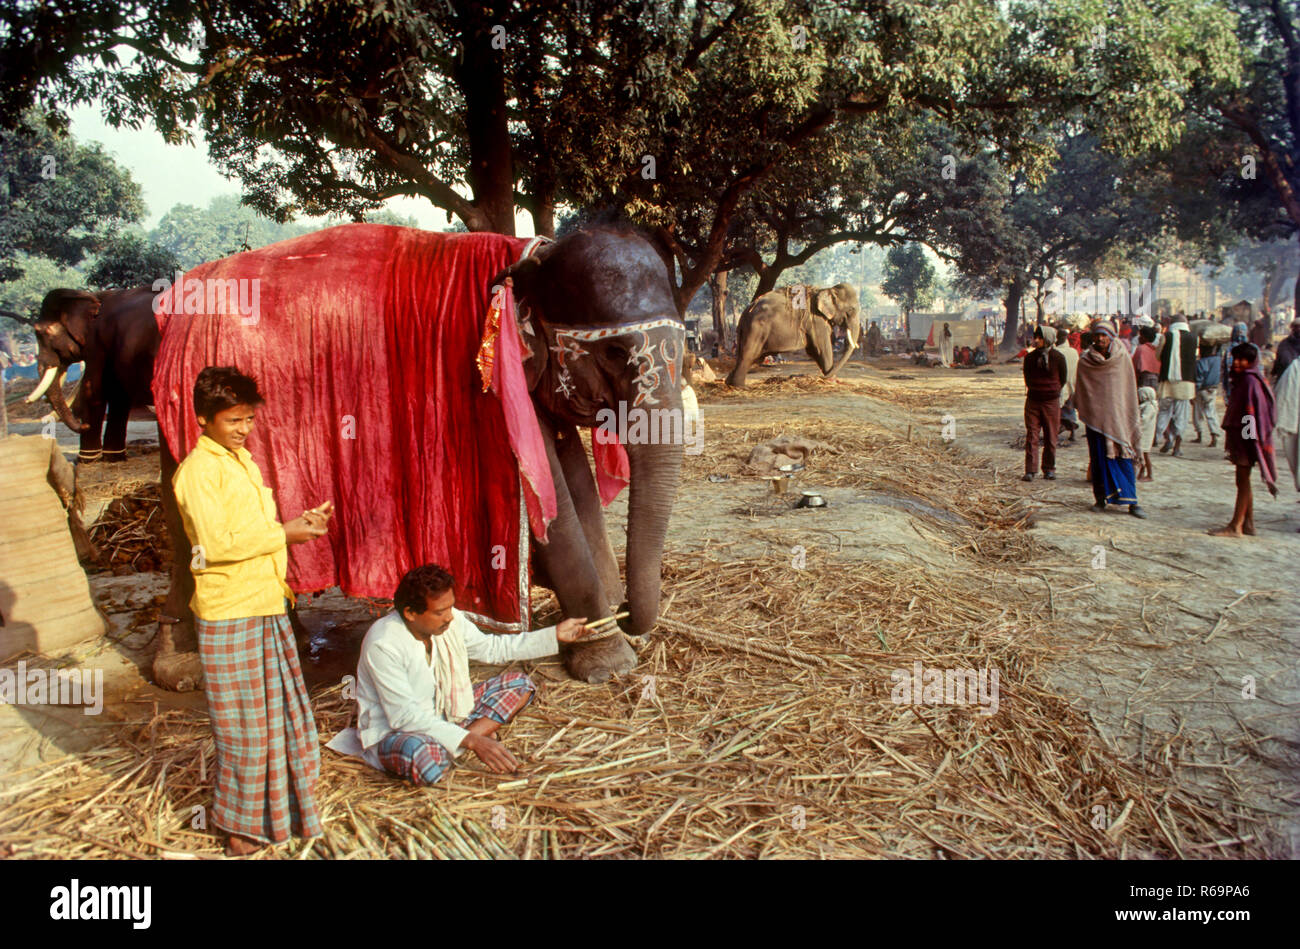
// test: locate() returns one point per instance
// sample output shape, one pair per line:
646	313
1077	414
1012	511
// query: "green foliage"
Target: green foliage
910	279
24	295
58	199
194	236
132	260
388	216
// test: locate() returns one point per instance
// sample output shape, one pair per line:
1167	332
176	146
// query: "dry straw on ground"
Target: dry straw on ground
760	725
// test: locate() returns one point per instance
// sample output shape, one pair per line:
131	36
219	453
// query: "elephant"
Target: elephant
794	317
116	335
601	332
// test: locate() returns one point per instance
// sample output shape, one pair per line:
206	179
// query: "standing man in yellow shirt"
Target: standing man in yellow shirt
268	758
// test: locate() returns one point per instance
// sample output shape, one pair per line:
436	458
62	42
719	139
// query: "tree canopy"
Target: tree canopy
58	199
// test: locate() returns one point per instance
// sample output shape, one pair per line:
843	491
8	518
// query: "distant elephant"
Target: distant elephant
797	317
600	334
117	337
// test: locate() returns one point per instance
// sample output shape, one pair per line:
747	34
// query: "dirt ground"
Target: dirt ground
1179	646
1168	629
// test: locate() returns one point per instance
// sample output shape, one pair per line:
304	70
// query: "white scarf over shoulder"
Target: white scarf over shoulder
451	670
1176	350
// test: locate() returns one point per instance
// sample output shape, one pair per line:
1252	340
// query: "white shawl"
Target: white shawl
1176	351
1286	432
451	671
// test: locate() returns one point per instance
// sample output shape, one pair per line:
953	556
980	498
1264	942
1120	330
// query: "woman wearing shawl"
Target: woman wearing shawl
1248	435
1106	397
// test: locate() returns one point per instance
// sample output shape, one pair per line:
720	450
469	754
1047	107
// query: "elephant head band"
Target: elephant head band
663	337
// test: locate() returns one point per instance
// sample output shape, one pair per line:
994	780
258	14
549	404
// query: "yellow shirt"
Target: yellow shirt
240	559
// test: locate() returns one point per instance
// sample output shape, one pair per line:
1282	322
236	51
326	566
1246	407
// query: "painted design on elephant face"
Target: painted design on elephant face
563	349
665	335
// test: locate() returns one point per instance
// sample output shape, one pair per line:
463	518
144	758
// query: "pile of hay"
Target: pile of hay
131	531
785	385
710	748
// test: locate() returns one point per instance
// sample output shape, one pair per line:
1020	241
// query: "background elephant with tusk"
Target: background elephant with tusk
115	334
797	317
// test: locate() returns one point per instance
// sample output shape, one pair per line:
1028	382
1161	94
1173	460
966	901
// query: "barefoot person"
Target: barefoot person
1148	407
417	708
1106	396
1248	434
267	755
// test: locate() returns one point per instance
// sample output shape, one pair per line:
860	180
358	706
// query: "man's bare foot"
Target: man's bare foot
237	846
1228	531
1144	478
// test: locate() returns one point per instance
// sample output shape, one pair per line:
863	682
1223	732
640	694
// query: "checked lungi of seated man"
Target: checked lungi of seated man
417	707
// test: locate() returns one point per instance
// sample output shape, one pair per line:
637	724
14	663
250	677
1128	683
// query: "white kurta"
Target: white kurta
397	689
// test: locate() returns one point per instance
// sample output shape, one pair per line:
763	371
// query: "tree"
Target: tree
58	199
225	227
336	105
909	280
1264	111
132	260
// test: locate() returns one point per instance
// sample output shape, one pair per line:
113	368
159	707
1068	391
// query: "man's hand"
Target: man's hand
321	514
491	752
300	530
571	630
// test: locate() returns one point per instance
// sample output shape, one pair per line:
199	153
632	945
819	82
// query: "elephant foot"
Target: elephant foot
597	662
178	672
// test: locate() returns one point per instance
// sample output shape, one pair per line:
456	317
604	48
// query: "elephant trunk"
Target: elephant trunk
655	470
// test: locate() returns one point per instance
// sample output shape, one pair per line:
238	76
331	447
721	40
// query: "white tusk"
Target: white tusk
45	384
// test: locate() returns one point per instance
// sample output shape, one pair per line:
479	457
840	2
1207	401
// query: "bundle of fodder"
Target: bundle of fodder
131	531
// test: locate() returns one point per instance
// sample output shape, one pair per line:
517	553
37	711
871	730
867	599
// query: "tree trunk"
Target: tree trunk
481	76
1011	304
767	280
718	284
544	218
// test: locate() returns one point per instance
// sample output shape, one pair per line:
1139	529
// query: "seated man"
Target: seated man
418	708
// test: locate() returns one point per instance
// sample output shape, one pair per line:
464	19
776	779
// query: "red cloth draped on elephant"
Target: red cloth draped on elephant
364	339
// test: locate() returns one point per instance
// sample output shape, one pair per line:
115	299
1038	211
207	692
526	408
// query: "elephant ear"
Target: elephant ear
824	304
523	279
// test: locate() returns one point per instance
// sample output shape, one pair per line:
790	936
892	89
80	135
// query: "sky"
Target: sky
175	174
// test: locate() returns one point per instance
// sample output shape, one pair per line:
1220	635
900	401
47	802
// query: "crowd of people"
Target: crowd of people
1134	385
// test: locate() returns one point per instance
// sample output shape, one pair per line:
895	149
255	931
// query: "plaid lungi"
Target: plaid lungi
268	755
421	760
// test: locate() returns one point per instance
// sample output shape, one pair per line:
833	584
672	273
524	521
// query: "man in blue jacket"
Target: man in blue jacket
1206	407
